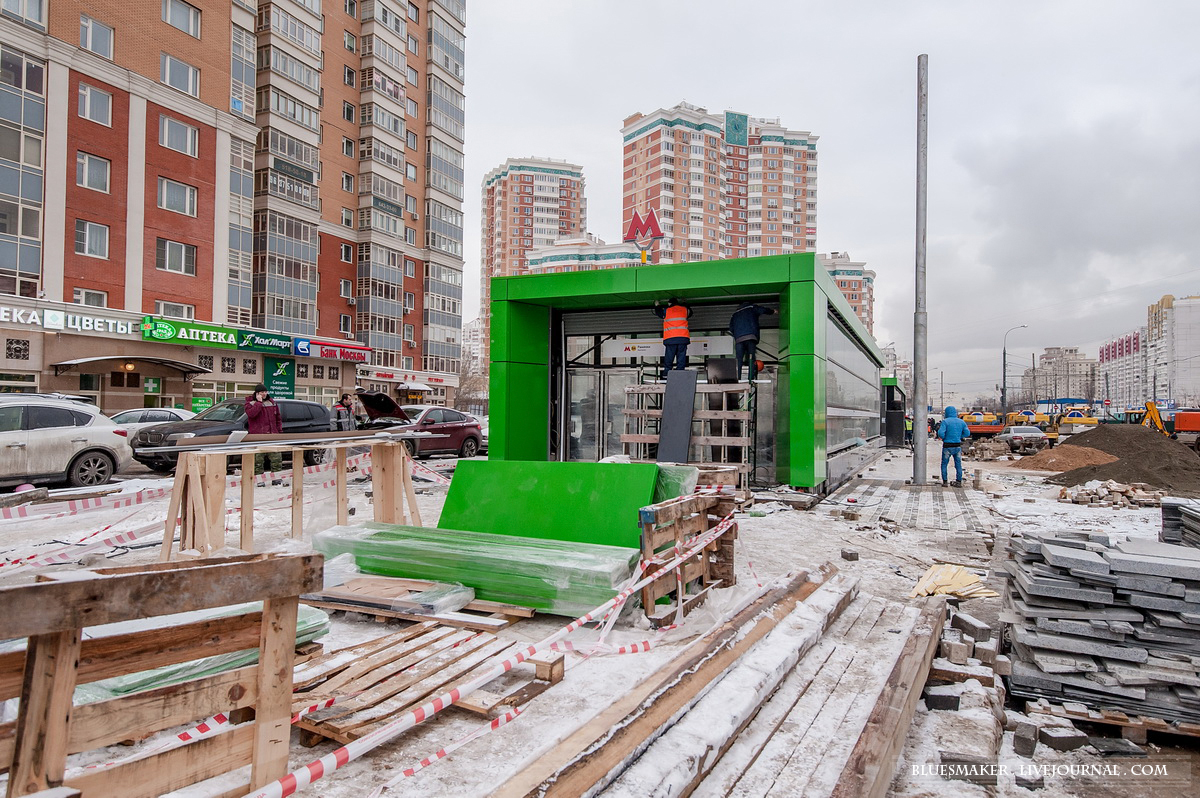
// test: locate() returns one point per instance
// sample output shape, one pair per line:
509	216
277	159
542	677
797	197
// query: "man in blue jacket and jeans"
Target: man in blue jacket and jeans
953	432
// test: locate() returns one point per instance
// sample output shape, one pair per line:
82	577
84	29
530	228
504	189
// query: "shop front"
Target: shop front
121	360
410	387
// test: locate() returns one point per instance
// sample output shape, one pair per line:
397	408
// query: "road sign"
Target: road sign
1107	402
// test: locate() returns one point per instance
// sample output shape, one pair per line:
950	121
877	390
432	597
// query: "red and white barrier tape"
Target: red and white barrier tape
432	475
442	753
302	777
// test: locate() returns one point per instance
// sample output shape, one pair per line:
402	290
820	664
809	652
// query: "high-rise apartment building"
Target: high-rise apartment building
291	169
1063	372
1159	361
527	203
584	253
723	185
856	282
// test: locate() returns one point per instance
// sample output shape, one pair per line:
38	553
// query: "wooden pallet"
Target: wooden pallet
675	523
385	599
1133	727
396	673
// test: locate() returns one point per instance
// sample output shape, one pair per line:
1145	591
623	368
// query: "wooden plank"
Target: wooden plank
246	533
273	709
869	769
392	586
343	503
462	620
549	666
58	606
106	722
171	524
402	690
370	667
40	754
318	669
171	770
215	471
675	509
613	734
366	721
117	655
297	528
385	484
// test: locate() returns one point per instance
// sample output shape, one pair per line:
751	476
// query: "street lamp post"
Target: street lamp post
1004	374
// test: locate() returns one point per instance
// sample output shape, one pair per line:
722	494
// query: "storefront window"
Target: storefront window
18	383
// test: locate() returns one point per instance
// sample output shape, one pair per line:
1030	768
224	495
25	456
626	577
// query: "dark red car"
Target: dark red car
457	433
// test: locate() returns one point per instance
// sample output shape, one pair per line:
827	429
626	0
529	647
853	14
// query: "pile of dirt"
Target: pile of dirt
1144	456
1066	458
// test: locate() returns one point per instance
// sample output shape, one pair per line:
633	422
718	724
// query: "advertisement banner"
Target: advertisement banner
274	343
188	333
201	403
279	375
653	347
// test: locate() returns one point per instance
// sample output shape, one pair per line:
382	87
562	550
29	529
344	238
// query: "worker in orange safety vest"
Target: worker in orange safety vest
675	333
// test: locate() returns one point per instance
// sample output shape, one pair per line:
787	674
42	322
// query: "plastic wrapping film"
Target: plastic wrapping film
437	600
554	576
675	481
311	623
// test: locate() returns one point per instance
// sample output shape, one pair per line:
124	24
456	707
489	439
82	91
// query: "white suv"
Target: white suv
44	439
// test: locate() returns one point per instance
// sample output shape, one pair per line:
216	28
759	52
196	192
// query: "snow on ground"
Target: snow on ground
769	548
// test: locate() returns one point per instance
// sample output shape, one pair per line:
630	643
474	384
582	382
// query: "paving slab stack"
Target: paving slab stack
1181	522
1113	625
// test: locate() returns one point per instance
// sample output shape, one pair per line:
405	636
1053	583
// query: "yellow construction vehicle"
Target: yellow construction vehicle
1153	419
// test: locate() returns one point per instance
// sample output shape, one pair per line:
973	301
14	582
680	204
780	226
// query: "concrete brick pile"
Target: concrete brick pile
1104	624
1180	522
987	450
1112	494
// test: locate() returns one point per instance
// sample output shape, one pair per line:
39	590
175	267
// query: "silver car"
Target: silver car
1023	439
46	439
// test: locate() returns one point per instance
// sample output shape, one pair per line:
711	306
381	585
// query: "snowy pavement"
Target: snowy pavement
900	532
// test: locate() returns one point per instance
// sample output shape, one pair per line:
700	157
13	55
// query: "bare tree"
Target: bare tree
472	395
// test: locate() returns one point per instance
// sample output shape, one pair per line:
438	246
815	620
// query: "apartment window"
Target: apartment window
178	197
413	13
348	75
410	301
179	75
95	105
95	36
414	44
347	217
229	365
179	14
411	136
175	135
92	172
410	106
347	111
410	270
175	310
347	286
410	171
347	182
409	335
347	147
412	76
352	8
97	299
91	239
347	257
173	256
408	363
350	41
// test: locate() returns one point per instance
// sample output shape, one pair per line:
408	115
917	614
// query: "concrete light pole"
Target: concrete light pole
921	311
1004	375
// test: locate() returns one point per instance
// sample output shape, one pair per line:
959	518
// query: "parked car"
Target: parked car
1023	439
299	417
457	433
483	427
140	417
47	439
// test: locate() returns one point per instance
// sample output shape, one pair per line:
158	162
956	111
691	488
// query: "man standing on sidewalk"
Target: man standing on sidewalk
952	431
263	418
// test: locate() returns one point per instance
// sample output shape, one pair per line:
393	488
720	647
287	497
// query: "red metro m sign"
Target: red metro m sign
642	230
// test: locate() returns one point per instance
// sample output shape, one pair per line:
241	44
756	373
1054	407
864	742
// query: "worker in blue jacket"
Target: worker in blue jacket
953	432
744	327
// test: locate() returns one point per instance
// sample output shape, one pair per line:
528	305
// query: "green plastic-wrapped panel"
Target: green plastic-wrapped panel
559	577
581	502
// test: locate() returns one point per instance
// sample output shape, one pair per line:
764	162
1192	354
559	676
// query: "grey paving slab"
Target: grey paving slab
1153	548
1041	587
1151	584
1054	643
1153	566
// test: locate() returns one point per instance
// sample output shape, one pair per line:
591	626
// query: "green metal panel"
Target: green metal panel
580	502
800	423
591	285
520	333
519	412
715	278
803	311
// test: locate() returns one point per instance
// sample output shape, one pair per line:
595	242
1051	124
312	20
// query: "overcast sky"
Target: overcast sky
1064	142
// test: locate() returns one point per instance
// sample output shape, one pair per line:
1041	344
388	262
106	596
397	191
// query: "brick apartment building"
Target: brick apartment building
291	170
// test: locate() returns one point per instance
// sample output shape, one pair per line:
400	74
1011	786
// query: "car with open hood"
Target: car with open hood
453	432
